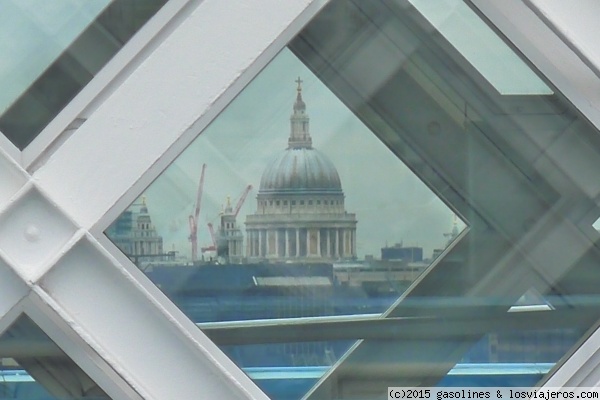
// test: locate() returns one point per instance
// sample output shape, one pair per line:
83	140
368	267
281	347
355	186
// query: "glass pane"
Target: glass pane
52	49
33	367
317	229
486	52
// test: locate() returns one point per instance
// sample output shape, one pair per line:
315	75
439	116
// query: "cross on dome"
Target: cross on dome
299	135
299	82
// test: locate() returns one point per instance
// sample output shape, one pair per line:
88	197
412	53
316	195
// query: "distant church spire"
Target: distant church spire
299	134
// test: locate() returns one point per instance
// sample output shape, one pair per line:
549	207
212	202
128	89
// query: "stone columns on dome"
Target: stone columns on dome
310	243
287	242
318	242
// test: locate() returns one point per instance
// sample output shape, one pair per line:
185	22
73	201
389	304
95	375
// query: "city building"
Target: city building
399	252
230	238
300	214
136	236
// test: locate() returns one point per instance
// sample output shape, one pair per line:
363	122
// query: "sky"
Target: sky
391	204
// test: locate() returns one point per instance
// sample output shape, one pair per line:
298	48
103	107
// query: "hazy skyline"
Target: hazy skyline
391	204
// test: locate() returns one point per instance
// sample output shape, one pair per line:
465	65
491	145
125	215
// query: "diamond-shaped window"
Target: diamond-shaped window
302	218
51	50
316	230
302	236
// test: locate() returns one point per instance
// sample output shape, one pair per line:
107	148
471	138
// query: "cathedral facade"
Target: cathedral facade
300	214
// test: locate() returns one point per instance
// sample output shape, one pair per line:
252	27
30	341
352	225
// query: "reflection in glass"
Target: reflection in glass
52	49
328	205
33	367
308	362
478	43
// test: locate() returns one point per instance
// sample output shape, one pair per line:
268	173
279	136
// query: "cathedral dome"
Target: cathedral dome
300	170
300	214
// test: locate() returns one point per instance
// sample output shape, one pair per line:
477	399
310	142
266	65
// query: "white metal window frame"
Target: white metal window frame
105	81
101	85
74	283
119	320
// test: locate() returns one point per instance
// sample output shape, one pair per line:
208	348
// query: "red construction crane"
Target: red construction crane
193	219
213	246
212	234
240	202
